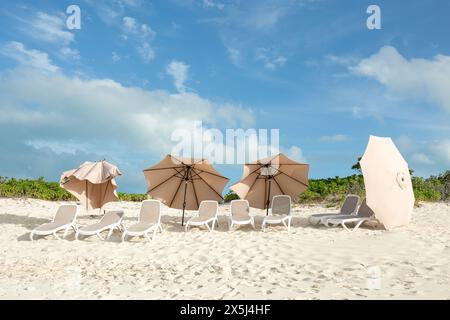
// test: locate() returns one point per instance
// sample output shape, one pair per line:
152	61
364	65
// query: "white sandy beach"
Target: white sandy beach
307	263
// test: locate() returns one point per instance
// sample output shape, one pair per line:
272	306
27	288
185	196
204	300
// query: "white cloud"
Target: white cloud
69	107
271	60
179	71
213	4
442	150
33	58
234	55
115	57
70	53
141	35
427	80
49	28
146	52
334	138
296	154
421	158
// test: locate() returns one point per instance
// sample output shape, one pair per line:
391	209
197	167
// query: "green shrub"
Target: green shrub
44	190
230	196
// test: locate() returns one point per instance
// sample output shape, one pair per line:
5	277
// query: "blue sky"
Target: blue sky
137	70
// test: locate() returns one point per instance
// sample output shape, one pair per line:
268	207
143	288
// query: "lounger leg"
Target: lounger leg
65	232
100	236
263	226
56	236
186	227
289	224
253	223
110	233
31	235
124	236
207	226
77	233
213	223
230	226
160	228
154	233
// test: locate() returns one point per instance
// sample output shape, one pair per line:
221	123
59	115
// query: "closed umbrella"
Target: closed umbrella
182	183
93	183
271	176
388	183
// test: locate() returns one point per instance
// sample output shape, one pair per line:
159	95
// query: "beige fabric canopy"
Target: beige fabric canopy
182	183
388	183
268	177
93	183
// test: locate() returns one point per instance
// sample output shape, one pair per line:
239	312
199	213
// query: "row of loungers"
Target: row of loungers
149	220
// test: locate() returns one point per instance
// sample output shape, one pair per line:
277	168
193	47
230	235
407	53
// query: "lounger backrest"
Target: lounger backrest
364	210
281	205
150	211
208	209
350	204
240	208
111	217
66	214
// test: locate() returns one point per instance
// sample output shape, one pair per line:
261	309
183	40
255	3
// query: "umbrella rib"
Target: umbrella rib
176	192
161	183
256	179
214	174
278	185
207	184
195	192
281	172
165	168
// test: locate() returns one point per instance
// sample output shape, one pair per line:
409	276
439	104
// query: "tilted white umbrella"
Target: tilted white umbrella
388	184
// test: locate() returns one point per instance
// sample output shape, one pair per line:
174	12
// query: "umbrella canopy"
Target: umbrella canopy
388	183
93	183
182	183
268	177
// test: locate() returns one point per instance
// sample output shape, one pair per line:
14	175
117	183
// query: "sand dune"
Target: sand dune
307	263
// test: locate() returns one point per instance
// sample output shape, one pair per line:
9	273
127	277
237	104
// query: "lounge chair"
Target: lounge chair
240	213
149	221
207	213
349	207
64	219
110	221
364	214
280	212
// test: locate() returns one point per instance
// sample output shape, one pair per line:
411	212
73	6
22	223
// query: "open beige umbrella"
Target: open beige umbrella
389	191
182	183
271	176
93	183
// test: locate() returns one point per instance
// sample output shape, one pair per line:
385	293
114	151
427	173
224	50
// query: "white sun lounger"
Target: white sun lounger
240	214
207	213
149	221
110	221
280	212
64	220
349	207
364	214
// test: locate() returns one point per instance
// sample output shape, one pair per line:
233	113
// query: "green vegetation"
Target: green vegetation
44	190
331	190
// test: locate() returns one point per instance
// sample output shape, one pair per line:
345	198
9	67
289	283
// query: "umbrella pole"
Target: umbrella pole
268	198
86	196
184	203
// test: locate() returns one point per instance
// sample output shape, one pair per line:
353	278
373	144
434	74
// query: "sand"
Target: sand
307	263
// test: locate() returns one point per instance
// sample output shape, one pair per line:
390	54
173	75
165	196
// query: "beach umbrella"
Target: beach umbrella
271	176
93	183
387	180
182	183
